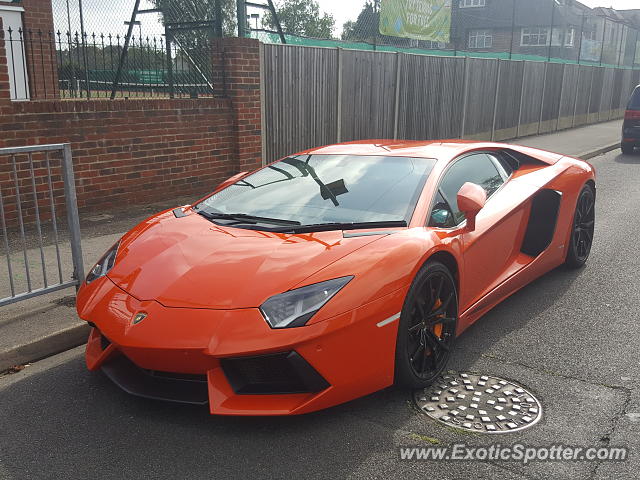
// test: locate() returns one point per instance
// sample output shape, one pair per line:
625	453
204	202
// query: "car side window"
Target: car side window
441	214
504	167
477	168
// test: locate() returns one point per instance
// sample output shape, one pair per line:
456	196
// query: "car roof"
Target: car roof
442	150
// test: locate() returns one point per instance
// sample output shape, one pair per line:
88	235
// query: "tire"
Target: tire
627	149
582	228
427	327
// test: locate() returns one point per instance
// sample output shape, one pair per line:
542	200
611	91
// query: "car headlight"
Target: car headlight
295	307
104	264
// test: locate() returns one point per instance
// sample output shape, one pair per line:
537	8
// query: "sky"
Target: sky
109	16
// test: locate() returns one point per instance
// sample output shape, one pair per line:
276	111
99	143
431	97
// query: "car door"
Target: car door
491	249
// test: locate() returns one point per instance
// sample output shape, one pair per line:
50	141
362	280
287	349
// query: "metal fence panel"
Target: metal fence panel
301	106
430	102
368	94
479	113
532	97
583	94
554	80
315	96
509	96
568	98
41	188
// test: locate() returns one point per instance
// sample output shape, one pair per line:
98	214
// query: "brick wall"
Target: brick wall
129	152
39	44
239	59
4	70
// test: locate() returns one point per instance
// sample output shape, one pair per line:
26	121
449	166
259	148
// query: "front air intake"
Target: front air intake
279	373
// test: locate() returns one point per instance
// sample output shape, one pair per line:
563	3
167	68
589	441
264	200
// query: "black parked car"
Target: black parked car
631	125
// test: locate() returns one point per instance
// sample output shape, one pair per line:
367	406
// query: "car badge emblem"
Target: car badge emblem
139	317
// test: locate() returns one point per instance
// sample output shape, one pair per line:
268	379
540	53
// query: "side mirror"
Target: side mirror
471	199
230	181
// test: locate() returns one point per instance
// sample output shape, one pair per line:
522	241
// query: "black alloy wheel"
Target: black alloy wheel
427	327
583	228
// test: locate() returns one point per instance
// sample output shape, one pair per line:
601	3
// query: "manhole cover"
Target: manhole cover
479	403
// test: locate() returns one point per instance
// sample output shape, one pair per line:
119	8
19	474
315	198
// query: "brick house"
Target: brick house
544	28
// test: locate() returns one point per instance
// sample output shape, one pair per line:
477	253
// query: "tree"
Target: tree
365	28
301	17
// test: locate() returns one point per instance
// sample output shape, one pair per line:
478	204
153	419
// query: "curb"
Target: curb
44	347
600	151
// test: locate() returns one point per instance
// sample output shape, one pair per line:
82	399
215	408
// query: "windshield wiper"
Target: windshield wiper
245	218
324	227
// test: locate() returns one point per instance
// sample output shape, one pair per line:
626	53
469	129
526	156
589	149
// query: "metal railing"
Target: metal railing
71	65
36	183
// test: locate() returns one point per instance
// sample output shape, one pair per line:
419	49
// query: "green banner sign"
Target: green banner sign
417	19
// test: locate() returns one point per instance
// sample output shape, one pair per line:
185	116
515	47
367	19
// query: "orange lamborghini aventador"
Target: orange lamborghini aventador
331	273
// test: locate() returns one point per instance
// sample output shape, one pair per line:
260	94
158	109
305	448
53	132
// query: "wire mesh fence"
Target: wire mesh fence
87	65
97	49
564	31
162	48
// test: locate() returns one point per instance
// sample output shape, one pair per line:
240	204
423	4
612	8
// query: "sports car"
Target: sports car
332	273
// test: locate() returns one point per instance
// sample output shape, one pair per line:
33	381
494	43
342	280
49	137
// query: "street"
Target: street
571	337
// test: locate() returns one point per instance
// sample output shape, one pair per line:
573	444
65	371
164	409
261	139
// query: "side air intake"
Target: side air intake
542	222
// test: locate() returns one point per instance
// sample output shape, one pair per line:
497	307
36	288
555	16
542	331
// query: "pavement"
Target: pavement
571	337
582	142
36	328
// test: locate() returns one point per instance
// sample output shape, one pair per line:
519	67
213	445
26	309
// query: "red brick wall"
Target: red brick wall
4	71
239	59
39	37
126	152
129	152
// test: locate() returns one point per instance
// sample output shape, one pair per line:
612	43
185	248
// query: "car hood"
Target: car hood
191	262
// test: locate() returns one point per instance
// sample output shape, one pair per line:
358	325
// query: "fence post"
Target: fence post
465	97
593	69
544	91
73	218
339	97
495	99
564	70
167	45
524	73
396	113
575	100
613	81
263	113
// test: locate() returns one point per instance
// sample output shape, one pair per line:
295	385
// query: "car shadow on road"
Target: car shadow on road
493	335
67	422
633	159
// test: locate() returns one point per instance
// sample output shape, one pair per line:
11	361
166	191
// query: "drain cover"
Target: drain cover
479	403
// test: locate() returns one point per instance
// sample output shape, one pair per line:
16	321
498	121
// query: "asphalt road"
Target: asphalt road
571	337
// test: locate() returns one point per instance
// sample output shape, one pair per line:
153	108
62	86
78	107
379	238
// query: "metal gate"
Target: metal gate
42	252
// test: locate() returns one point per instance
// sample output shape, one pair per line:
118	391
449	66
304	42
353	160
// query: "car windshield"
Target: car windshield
319	189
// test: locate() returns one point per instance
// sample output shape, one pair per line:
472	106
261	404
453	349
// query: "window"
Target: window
477	168
535	37
502	164
480	39
328	188
570	37
634	103
471	3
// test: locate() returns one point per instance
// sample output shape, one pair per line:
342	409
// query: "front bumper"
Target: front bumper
209	356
